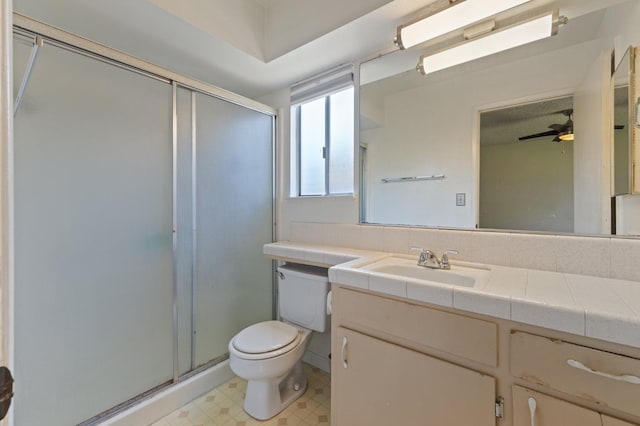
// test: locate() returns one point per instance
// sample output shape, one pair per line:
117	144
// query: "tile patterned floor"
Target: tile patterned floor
223	406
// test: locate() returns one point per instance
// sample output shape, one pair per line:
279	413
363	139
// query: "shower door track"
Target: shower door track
112	412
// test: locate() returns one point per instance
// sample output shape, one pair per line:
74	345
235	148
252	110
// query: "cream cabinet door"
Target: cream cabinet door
610	421
535	409
378	383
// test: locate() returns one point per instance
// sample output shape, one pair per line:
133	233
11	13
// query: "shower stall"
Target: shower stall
141	201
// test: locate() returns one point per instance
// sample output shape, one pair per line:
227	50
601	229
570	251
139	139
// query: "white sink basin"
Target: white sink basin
465	276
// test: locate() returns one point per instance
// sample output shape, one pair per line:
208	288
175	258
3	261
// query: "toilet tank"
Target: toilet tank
302	295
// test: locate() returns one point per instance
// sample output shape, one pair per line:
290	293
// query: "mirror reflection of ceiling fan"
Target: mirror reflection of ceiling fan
562	132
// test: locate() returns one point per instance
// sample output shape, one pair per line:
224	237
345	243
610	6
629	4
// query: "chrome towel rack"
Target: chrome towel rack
413	178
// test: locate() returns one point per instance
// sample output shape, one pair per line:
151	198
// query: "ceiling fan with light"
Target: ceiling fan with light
562	132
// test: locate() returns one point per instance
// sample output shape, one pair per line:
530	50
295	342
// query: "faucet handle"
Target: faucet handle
425	254
445	256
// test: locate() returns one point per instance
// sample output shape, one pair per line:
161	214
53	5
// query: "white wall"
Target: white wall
371	113
527	186
432	129
593	129
620	28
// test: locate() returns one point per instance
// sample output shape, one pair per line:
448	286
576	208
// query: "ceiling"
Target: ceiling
268	30
251	47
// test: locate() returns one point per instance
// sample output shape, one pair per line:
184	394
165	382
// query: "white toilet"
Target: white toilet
269	354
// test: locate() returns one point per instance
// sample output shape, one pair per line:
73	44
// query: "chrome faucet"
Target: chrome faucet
426	256
428	259
444	263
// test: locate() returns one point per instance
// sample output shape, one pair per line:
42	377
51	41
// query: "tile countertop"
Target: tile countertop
601	308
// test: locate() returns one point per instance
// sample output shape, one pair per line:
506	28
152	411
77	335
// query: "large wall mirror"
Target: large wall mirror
621	181
503	142
526	167
625	155
625	110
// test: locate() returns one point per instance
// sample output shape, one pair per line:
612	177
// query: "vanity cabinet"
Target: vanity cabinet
608	379
380	383
396	361
383	372
531	408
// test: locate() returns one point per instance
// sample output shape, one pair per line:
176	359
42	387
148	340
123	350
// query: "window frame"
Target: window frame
327	145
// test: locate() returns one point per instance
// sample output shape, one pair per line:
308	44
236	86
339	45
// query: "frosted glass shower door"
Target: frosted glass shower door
93	229
234	219
185	248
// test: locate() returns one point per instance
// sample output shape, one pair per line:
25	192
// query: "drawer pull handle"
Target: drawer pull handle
634	380
344	352
532	410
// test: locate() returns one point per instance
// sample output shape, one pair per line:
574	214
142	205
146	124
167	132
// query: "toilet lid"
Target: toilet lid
264	337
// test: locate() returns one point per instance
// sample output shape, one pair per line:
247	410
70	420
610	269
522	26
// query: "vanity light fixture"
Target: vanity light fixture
458	14
536	28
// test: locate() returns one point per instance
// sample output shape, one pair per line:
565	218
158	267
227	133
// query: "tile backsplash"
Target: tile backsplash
596	256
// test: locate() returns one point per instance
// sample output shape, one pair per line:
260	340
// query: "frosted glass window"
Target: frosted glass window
341	153
93	232
312	148
325	144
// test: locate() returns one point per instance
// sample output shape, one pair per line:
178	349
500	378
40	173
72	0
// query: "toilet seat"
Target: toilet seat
264	340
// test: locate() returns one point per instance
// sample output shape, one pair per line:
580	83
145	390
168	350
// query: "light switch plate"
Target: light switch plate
461	199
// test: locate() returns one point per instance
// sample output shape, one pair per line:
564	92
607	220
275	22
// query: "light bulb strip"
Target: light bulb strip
458	15
536	28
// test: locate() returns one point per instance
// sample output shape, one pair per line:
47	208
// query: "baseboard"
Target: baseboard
172	398
319	361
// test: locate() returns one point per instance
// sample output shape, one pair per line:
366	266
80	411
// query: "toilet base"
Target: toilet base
265	399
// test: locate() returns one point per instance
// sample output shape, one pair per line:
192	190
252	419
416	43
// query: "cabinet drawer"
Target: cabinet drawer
602	377
470	338
548	411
